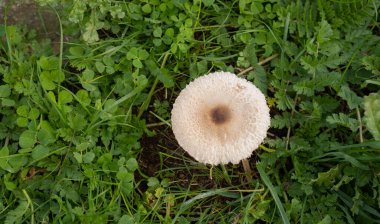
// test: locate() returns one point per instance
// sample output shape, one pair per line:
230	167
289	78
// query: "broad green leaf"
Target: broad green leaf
110	106
158	192
137	63
77	122
57	76
268	50
16	163
132	164
8	102
170	32
77	51
126	219
326	220
124	175
157	32
343	120
189	24
259	78
163	7
324	32
39	152
16	215
87	79
88	75
256	7
78	157
350	97
126	182
99	66
208	2
88	87
108	61
197	69
153	182
22	122
51	96
90	34
110	70
83	146
143	54
261	209
46	136
202	67
327	178
34	113
296	207
23	110
5	91
49	63
13	34
151	65
183	47
157	42
372	114
304	87
146	8
70	192
9	184
64	97
132	53
116	28
4	153
250	54
83	97
164	76
105	158
46	80
88	157
372	63
27	139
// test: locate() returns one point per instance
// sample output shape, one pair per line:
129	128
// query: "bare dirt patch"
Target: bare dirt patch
28	14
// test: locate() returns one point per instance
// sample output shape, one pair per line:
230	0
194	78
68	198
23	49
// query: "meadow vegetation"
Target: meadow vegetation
85	118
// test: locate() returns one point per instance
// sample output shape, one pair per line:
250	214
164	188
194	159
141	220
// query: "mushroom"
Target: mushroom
220	118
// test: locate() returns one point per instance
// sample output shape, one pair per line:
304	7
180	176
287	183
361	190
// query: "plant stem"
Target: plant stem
360	125
146	103
259	63
30	202
247	169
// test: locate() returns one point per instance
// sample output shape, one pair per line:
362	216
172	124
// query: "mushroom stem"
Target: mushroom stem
247	169
210	174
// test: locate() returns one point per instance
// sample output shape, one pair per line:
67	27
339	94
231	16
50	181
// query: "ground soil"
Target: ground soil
28	14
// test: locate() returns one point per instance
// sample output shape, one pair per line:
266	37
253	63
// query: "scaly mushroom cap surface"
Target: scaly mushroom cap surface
220	118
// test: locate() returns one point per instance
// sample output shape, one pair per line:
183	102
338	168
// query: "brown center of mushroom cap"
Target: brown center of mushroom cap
220	114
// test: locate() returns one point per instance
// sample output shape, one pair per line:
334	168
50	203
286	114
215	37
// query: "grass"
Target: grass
85	129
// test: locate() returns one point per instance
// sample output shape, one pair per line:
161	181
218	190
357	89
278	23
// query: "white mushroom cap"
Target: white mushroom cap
220	118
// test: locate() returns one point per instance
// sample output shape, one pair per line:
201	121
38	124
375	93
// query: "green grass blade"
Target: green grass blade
267	182
365	209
